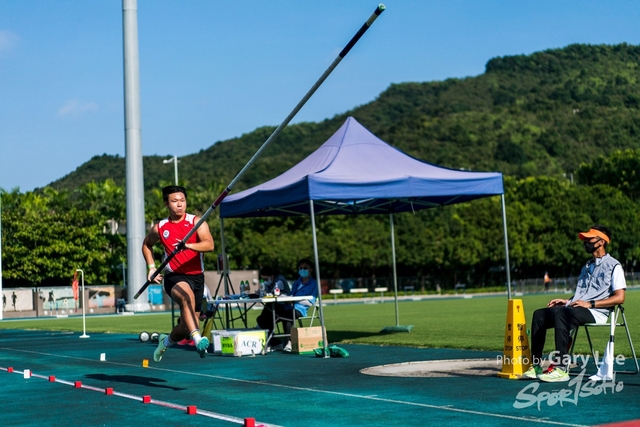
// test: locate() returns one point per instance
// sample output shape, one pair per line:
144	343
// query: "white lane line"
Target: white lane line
335	393
163	403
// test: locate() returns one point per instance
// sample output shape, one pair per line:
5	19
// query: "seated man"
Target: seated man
272	281
601	286
305	285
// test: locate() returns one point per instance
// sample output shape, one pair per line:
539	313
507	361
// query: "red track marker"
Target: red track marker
108	391
191	410
249	422
146	399
77	384
52	379
9	370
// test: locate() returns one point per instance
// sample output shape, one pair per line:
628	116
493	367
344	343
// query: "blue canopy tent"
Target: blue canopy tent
354	172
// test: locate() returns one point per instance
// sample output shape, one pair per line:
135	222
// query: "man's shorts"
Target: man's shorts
195	281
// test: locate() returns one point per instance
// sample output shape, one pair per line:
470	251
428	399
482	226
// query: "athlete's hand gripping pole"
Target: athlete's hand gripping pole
334	64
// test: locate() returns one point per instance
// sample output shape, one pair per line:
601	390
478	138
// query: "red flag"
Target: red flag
74	286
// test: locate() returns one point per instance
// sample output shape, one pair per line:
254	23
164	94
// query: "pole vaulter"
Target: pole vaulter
381	7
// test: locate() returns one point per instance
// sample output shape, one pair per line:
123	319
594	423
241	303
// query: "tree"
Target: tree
621	170
44	246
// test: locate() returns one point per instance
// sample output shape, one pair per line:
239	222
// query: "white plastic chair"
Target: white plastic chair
621	322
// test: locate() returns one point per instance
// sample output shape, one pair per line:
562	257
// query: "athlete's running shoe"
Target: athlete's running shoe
557	375
202	347
157	354
532	373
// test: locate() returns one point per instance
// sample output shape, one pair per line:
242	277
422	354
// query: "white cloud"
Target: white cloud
7	40
76	107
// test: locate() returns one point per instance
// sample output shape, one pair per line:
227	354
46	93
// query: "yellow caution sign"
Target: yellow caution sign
516	357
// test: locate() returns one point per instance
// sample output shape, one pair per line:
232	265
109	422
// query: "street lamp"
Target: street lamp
84	324
173	159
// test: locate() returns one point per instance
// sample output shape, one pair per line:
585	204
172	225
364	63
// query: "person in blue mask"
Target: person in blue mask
305	285
601	286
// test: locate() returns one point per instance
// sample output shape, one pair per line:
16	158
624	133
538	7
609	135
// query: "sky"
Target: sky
211	70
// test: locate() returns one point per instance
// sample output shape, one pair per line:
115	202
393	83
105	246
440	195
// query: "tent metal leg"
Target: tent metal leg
393	260
325	343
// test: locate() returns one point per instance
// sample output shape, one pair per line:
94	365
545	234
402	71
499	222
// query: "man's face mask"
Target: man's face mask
589	246
303	272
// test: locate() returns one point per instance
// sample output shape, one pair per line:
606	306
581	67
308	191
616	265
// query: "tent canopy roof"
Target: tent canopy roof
356	172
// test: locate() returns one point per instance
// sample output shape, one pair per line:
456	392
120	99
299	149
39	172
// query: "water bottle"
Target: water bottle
261	288
244	288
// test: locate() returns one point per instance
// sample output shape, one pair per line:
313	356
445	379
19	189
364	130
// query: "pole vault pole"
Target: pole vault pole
381	7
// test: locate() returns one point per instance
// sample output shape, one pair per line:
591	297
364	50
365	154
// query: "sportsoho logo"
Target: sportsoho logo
576	388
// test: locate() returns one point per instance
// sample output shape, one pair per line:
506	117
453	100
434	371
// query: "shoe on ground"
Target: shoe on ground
287	348
159	351
555	376
202	347
533	372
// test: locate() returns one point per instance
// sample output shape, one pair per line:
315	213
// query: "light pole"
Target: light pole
84	324
173	159
133	148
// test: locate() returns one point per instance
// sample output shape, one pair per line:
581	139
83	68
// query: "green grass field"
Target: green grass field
475	323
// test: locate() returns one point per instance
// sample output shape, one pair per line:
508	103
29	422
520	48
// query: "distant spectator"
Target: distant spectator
305	285
547	281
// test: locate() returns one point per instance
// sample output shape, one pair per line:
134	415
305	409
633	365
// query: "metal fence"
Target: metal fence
565	285
405	283
410	284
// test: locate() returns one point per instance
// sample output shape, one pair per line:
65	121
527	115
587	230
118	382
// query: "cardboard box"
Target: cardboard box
305	340
244	342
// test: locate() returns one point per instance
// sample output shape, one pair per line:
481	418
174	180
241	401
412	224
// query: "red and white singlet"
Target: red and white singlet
186	261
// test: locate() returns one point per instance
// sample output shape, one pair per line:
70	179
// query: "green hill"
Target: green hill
536	118
527	115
